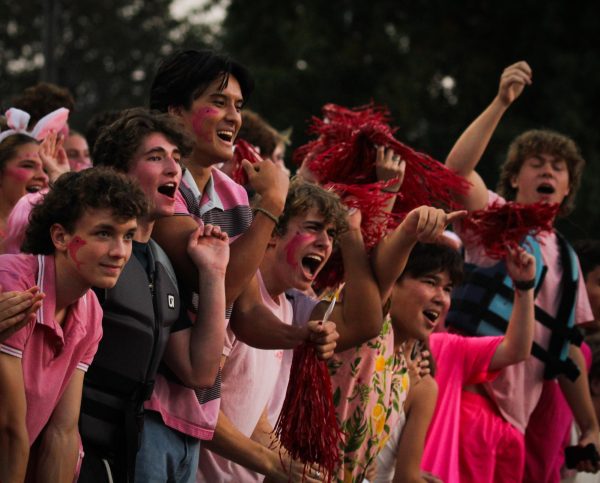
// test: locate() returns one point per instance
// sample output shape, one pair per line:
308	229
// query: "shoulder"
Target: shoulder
17	272
226	187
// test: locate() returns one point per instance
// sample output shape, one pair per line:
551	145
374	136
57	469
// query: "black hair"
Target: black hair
431	258
588	252
184	75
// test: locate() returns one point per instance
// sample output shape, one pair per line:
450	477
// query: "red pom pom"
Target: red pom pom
505	225
243	150
307	426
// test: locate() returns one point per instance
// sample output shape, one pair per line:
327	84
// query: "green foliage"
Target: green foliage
106	52
308	52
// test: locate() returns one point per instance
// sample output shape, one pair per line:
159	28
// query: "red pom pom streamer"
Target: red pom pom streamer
307	426
505	225
343	158
243	150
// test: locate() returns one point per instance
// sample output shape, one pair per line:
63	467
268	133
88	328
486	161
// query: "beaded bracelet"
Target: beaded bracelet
267	213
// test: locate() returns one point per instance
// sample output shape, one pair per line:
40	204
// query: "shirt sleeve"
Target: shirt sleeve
478	353
11	280
95	320
302	306
583	309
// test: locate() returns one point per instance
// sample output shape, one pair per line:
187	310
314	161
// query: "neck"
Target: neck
5	209
69	286
273	286
199	168
399	338
144	230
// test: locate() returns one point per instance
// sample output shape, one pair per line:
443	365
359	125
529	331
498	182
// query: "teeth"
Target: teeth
227	135
431	315
315	257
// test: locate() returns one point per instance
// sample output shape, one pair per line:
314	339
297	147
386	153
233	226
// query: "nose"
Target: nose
171	166
234	115
323	240
119	248
41	175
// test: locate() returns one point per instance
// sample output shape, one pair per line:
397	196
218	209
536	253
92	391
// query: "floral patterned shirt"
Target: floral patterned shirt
370	383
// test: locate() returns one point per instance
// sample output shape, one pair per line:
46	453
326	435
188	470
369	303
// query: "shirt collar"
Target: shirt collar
207	200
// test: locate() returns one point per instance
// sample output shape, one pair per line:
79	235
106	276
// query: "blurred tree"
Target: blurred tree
435	64
105	53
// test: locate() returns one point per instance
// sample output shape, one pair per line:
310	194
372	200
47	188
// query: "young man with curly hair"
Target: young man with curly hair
79	236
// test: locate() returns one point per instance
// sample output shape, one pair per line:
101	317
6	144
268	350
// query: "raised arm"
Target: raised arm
516	345
424	224
194	354
470	146
359	317
14	440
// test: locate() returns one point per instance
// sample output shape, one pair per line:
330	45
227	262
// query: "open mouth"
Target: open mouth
311	264
168	189
545	189
225	135
431	315
33	188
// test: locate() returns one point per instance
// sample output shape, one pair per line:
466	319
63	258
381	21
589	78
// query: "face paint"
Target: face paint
199	119
22	175
292	247
74	245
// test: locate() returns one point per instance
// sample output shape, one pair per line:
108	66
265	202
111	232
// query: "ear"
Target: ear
60	237
174	110
513	181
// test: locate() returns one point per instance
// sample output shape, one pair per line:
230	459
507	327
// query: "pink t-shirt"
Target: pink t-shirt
517	389
49	353
248	379
459	361
223	203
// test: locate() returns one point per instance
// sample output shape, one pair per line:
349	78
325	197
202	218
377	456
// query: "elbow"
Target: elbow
203	379
16	438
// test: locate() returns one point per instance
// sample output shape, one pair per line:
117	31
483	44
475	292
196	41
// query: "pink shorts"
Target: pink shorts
491	449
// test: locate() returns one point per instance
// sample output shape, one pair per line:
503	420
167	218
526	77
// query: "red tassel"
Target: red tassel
307	426
243	150
504	225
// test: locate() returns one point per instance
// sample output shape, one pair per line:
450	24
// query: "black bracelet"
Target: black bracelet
524	284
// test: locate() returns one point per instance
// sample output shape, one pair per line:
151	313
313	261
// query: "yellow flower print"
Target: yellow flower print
380	363
405	382
380	425
348	477
378	411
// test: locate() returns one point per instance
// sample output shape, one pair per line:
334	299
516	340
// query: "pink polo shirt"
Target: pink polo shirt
49	353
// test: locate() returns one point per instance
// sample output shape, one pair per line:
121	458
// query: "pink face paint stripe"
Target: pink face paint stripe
73	246
292	247
199	119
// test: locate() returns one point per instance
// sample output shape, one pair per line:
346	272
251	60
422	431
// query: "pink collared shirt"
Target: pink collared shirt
49	353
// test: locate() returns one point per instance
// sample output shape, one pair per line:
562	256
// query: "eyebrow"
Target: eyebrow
161	150
221	95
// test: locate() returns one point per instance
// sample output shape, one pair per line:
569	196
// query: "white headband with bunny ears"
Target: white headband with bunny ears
17	122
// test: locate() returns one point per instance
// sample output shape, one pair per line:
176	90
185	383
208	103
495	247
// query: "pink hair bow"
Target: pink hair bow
17	122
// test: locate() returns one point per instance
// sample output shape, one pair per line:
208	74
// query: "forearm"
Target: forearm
57	455
14	453
470	146
389	259
361	309
577	394
247	252
230	443
208	333
516	345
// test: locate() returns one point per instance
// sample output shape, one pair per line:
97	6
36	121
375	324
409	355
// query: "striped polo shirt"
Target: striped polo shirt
223	203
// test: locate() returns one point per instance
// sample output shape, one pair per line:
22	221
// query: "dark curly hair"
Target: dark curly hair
9	146
42	99
535	142
119	141
259	133
72	195
302	196
184	75
431	258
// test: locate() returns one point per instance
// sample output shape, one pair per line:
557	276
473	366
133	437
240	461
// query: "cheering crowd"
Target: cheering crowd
161	273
